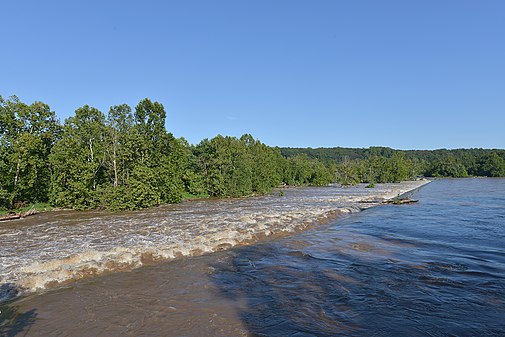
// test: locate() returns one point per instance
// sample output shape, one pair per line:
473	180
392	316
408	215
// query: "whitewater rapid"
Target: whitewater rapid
55	248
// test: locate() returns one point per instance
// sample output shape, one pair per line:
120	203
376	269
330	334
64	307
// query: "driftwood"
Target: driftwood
29	212
14	216
400	201
10	216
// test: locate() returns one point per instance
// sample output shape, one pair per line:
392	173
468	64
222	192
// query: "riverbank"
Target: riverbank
37	208
25	211
55	248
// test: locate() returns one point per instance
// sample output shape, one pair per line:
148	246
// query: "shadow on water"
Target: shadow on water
283	290
285	298
13	322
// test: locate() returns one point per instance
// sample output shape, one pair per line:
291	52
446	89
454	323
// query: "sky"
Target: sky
312	73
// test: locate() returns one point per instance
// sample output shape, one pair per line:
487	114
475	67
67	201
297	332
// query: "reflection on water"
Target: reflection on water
436	268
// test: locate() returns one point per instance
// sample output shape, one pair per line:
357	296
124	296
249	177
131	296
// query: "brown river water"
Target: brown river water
153	272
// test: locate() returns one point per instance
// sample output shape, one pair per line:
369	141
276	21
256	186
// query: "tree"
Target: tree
400	167
118	152
146	163
265	164
491	165
28	133
233	167
227	166
78	160
349	173
448	167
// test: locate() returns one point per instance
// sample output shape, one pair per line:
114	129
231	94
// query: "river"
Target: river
292	265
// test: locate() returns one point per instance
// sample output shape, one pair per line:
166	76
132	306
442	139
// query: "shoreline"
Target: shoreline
32	210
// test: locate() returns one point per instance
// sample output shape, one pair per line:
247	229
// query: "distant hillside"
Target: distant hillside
433	163
339	154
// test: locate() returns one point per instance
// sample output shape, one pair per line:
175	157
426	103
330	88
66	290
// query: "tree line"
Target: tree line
429	163
126	159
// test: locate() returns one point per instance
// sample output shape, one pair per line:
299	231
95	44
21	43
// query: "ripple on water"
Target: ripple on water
54	248
419	275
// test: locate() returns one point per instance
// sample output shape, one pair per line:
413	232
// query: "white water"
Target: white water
57	247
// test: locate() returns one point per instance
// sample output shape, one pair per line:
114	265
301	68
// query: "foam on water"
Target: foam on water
59	247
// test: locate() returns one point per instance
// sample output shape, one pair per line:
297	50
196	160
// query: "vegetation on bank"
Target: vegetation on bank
35	208
429	163
126	159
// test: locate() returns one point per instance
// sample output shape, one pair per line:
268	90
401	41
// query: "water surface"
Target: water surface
58	247
436	268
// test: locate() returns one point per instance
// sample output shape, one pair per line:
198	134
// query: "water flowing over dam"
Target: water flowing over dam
57	247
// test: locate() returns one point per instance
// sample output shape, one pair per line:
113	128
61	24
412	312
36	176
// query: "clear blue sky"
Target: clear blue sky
404	74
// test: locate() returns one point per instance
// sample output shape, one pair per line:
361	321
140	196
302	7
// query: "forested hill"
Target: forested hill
336	154
438	163
339	154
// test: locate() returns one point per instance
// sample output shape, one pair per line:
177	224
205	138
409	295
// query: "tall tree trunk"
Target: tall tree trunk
16	177
115	168
90	142
16	180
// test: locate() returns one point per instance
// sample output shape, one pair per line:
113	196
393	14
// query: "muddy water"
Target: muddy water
436	268
63	267
53	248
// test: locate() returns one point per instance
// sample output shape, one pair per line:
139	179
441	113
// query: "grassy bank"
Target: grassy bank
37	207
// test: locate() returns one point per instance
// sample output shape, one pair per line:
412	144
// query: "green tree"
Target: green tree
227	166
321	174
491	165
78	160
28	133
447	167
238	167
192	178
264	161
349	172
400	167
118	152
298	170
155	160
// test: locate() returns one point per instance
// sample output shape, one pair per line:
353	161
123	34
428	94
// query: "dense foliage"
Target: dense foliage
126	159
429	163
27	134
